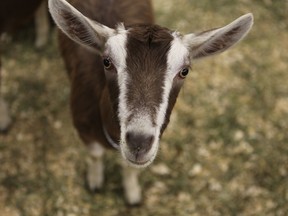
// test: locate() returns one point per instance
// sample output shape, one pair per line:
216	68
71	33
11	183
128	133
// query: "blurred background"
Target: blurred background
224	153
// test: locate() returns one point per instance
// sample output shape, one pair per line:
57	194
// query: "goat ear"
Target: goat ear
78	27
218	40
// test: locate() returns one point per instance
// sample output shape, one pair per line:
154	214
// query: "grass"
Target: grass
224	153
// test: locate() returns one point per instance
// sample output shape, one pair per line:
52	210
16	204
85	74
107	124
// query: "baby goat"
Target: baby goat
126	73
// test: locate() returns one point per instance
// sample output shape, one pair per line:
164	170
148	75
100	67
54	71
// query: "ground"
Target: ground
224	153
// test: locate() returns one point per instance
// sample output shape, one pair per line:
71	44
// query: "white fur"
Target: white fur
141	123
131	185
116	50
95	172
177	58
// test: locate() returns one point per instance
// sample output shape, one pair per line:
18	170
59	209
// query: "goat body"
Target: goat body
125	95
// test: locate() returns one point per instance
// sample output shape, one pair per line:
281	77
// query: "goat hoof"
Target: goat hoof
134	205
93	190
94	184
134	198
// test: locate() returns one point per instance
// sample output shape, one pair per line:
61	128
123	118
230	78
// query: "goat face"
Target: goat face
143	63
145	67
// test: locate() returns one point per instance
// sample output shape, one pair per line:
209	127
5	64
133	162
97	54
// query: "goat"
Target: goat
126	73
11	18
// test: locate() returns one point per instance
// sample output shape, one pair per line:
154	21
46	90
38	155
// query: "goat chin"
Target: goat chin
139	164
143	162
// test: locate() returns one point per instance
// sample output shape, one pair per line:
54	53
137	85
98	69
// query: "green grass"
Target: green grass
226	148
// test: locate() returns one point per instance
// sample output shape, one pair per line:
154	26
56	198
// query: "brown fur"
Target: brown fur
147	47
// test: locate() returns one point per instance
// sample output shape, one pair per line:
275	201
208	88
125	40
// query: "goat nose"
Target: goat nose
139	143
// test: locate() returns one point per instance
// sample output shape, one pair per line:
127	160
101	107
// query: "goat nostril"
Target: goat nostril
139	142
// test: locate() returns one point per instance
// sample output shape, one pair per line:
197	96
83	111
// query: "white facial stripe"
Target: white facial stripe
116	47
176	59
178	55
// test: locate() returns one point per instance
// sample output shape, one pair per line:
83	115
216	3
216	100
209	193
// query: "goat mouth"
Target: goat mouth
139	163
138	160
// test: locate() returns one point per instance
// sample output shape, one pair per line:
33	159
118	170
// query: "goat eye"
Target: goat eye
107	63
183	73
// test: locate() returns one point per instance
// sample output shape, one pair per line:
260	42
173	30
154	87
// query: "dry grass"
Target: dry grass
225	152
